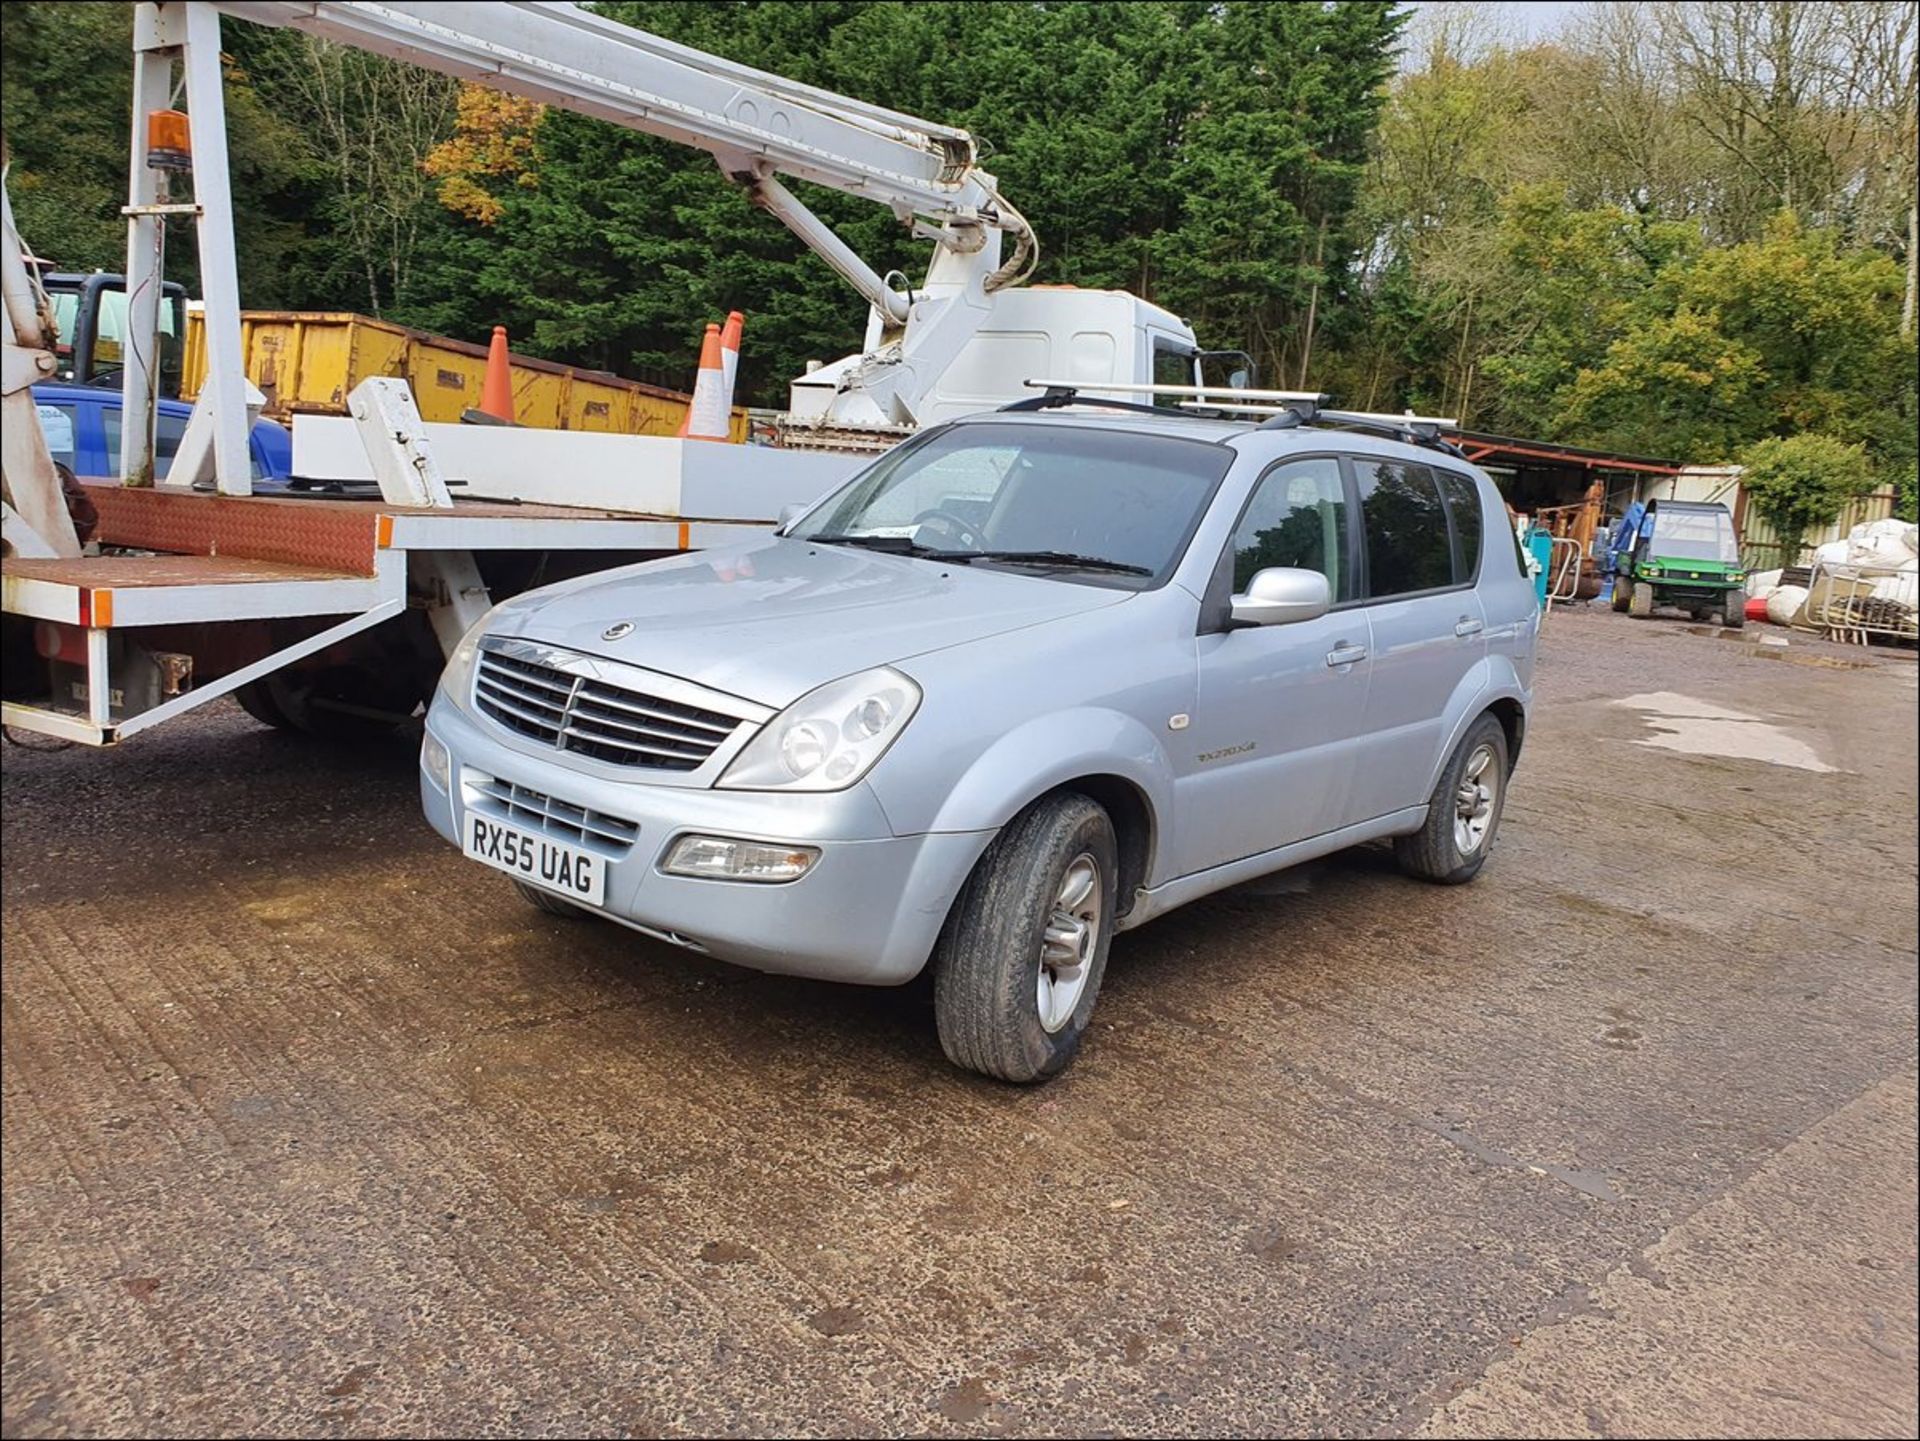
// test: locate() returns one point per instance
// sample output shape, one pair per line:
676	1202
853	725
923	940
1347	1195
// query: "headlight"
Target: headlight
457	679
435	761
830	737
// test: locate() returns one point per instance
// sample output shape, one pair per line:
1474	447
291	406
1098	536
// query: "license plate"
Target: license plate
577	874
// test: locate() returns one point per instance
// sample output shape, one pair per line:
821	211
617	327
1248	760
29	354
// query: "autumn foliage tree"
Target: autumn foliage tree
492	142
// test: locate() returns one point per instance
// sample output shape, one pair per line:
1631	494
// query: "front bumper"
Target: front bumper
868	912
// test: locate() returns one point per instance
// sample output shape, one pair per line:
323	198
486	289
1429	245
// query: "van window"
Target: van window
1297	517
57	424
1409	547
167	432
1463	505
1171	366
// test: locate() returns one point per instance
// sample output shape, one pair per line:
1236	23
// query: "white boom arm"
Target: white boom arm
757	126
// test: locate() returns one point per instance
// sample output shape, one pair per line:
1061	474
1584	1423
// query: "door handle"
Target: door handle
1346	653
1468	626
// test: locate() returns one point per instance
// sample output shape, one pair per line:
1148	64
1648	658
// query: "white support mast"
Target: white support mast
191	33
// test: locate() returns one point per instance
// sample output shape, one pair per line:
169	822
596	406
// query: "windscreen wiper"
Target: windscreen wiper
890	544
1063	559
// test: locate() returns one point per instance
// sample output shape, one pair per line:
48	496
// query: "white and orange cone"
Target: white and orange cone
707	414
730	357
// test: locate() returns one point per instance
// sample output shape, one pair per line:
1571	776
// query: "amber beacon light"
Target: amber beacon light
168	146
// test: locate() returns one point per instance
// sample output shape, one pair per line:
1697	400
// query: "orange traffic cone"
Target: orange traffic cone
707	415
496	392
730	359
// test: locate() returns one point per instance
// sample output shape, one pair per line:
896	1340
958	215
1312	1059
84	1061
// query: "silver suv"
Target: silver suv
1030	679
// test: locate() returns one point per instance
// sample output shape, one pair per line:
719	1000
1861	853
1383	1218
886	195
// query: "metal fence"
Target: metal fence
1762	549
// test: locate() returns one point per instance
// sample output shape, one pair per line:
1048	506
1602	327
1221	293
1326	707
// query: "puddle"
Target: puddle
1697	727
1587	1183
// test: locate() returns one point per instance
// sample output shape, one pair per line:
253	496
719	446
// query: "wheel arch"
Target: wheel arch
1135	827
1492	688
1513	720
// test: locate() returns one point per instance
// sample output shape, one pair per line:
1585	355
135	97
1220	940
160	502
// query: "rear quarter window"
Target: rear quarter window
1463	506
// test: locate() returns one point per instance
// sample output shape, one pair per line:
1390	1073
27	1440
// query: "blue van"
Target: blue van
82	426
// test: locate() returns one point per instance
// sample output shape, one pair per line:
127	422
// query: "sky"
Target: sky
1528	19
1536	19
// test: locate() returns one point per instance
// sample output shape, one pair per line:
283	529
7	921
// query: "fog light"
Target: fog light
722	859
435	761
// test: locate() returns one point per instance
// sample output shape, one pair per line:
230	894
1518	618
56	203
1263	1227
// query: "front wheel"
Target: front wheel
1464	811
1622	592
1640	603
1018	964
1734	611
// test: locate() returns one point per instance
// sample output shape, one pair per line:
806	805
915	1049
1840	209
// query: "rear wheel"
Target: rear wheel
1463	814
1735	610
257	701
1018	966
344	704
550	903
1640	604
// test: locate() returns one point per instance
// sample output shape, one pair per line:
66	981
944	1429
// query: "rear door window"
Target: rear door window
1409	546
1463	506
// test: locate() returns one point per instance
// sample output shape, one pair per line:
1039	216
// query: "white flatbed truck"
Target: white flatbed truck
330	614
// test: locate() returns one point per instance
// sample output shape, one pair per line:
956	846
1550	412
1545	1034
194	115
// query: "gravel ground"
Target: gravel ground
312	1127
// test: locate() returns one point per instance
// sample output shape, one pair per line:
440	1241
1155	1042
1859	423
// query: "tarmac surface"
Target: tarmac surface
311	1126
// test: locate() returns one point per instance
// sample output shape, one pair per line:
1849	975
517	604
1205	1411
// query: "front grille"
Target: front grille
536	811
608	722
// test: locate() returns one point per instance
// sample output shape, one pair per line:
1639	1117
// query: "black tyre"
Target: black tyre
1018	965
1640	604
257	701
1463	814
1622	592
343	705
1735	612
550	903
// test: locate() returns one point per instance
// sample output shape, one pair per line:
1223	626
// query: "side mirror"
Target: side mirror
1282	595
1239	380
788	515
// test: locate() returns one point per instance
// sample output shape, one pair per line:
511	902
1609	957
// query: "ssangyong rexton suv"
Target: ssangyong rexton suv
1028	680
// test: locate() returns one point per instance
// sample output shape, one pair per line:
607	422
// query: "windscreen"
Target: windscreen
1005	494
1694	535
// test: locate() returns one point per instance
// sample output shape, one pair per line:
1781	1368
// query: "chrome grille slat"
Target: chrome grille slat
550	722
580	715
596	694
639	747
526	688
538	811
533	674
594	717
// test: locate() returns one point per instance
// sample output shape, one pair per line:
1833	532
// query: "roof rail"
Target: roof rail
1284	409
1060	396
1226	396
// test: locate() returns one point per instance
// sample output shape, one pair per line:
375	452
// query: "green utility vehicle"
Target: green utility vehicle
1684	554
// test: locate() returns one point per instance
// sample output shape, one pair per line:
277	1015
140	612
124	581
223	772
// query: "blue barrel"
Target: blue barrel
1540	547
